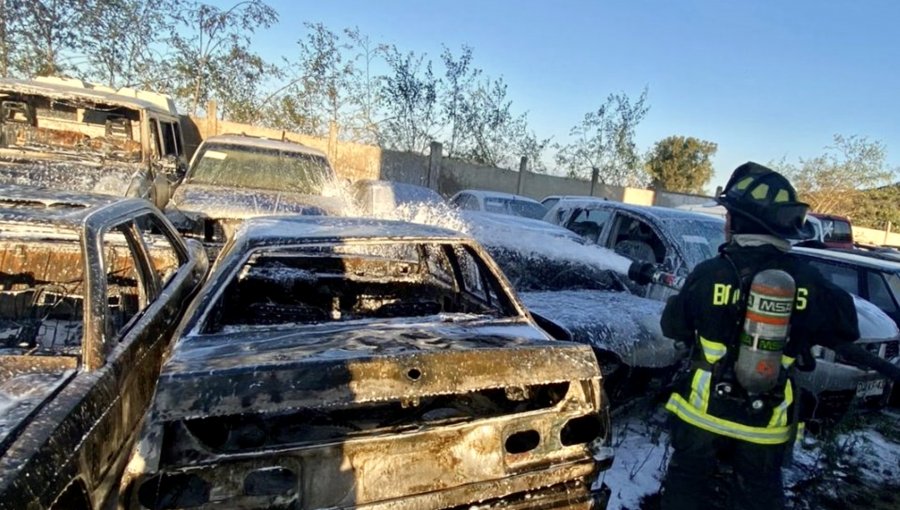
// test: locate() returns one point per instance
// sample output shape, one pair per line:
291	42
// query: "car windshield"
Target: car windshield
312	284
244	166
514	207
699	239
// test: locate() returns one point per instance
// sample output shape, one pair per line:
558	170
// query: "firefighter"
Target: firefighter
751	315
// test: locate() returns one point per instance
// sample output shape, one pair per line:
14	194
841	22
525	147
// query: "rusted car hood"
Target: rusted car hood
75	174
618	322
357	362
27	382
232	203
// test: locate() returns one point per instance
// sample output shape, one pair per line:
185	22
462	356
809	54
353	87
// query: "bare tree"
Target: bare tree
41	33
5	40
364	92
459	86
409	94
205	41
121	37
605	140
319	82
833	182
492	131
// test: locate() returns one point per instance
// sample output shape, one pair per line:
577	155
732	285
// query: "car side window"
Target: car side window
125	289
169	134
477	281
165	257
155	141
496	205
879	294
636	240
844	277
470	203
589	223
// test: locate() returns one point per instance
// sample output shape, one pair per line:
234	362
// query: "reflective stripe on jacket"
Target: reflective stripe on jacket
694	408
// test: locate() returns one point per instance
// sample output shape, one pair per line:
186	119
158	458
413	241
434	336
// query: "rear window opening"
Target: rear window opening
249	432
344	282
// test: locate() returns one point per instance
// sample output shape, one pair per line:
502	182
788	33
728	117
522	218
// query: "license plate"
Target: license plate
870	388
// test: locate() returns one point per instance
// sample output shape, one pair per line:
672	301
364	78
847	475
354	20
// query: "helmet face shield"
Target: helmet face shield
789	215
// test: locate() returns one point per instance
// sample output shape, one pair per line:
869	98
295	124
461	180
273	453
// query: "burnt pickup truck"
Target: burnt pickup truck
69	135
352	363
90	290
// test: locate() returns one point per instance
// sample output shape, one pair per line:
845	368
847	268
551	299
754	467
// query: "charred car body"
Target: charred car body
69	135
90	291
234	177
341	363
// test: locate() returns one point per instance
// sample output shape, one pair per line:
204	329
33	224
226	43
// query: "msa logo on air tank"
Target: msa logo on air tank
763	304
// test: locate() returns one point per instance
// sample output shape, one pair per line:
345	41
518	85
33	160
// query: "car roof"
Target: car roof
832	217
20	204
66	88
279	230
654	212
574	197
850	258
483	193
264	143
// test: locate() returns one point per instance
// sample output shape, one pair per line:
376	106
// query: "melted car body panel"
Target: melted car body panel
357	363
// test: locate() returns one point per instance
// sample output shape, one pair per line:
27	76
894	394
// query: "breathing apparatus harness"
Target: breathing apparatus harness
725	383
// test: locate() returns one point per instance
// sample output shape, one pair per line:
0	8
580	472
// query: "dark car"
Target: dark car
353	363
234	177
675	239
68	135
836	230
571	292
90	291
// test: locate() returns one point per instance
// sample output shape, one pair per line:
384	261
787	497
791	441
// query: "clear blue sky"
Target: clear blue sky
763	79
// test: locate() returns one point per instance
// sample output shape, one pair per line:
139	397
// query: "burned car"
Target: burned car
570	290
68	135
234	177
91	289
349	363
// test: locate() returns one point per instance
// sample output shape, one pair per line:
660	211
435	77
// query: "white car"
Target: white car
497	202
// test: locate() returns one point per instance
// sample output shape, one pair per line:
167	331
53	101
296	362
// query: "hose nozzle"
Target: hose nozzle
644	273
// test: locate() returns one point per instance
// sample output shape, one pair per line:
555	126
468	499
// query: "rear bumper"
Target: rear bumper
836	387
563	487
